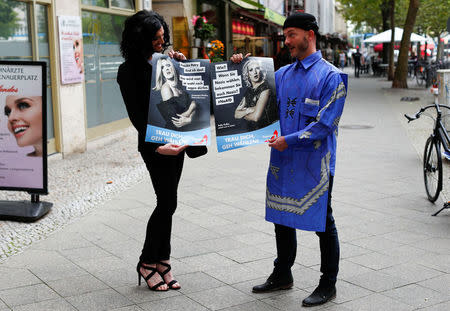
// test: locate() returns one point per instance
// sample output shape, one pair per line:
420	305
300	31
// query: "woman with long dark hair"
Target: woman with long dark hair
145	33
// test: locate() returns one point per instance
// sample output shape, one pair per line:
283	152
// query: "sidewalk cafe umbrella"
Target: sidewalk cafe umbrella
385	36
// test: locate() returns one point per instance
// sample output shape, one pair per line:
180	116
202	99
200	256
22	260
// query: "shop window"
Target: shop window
101	38
16	37
121	4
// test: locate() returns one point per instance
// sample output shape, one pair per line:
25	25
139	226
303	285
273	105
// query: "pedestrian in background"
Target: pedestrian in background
311	94
357	61
145	33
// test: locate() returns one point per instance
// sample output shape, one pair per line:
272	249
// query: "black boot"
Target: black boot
275	282
320	295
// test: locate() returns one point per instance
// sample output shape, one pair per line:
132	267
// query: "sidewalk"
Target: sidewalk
394	255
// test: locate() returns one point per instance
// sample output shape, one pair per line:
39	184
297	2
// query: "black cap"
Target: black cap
301	20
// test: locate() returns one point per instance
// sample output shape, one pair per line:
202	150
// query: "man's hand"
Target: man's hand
237	58
176	55
278	143
170	149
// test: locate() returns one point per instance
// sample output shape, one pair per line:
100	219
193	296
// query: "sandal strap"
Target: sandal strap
154	287
171	283
148	277
167	266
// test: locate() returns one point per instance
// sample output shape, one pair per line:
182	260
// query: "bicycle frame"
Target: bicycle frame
438	138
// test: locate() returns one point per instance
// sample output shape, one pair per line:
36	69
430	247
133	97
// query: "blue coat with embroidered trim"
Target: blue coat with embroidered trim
311	95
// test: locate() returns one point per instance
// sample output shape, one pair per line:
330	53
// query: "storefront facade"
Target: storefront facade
77	112
80	112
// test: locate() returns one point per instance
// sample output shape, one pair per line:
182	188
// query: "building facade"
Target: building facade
81	112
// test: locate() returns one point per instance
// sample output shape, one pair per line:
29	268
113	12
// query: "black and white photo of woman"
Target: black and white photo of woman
258	106
176	107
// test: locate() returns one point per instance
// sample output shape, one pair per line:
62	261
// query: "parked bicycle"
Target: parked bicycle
432	157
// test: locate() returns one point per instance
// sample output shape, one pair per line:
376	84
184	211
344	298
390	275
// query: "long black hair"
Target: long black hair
140	29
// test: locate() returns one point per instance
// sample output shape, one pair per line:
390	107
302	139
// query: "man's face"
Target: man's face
297	40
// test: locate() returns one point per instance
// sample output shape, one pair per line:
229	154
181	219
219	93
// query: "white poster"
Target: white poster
23	151
71	49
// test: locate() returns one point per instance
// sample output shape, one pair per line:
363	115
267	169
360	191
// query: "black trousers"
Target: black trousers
165	173
286	240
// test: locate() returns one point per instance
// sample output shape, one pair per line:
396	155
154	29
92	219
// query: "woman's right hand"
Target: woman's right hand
237	58
170	149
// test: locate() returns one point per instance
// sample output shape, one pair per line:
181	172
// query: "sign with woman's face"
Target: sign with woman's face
23	152
179	107
245	109
71	49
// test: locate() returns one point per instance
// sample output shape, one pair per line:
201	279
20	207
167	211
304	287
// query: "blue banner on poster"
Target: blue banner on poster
179	108
161	135
260	136
244	101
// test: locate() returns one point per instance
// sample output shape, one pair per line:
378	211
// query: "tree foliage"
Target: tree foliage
432	17
9	21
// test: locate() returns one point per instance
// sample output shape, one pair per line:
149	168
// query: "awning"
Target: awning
273	16
259	12
248	4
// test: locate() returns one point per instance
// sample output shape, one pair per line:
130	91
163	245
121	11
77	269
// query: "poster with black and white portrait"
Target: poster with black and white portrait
244	101
179	109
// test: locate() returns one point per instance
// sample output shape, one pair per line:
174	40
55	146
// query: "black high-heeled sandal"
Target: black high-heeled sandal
171	283
148	277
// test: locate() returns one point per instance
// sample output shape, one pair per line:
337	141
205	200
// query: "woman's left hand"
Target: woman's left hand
181	120
176	55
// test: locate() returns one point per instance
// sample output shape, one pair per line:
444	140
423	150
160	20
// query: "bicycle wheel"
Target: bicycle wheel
432	168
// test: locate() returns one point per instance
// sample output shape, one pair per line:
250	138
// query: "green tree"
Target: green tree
9	22
432	19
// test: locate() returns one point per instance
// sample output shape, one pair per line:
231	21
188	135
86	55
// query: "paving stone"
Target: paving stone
376	243
439	307
199	234
348	269
84	253
207	261
416	295
377	281
76	285
3	306
130	308
141	294
435	261
411	272
376	261
56	304
117	278
106	299
108	263
11	278
173	304
439	284
406	237
233	273
220	244
27	294
197	281
252	306
64	240
221	297
53	272
246	254
374	302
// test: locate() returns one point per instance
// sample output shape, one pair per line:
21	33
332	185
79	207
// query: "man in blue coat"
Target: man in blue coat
311	94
